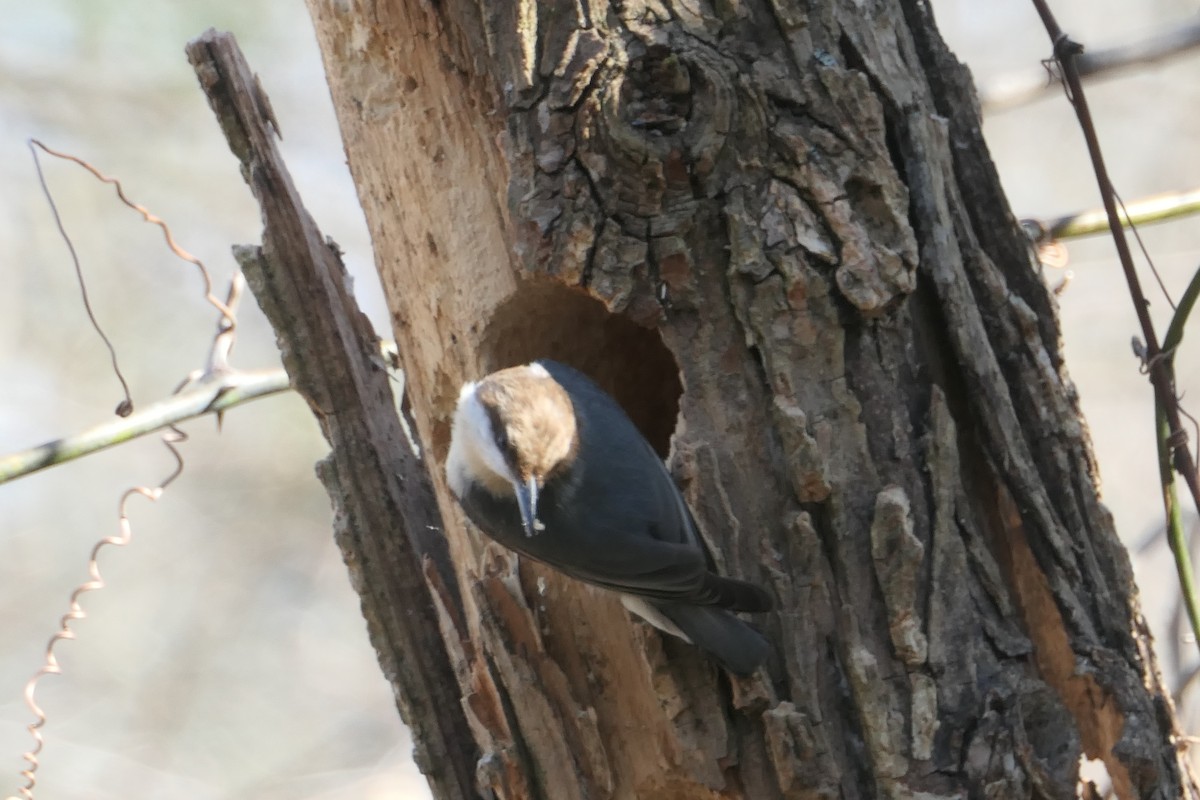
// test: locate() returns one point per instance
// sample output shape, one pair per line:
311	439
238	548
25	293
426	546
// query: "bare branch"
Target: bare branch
1157	208
387	521
209	391
208	397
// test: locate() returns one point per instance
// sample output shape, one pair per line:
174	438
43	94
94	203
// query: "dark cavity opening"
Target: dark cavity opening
627	360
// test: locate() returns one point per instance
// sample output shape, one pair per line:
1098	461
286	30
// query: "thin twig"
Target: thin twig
206	397
1162	286
75	610
211	389
153	219
1176	535
218	356
125	407
214	393
1158	208
221	345
1065	52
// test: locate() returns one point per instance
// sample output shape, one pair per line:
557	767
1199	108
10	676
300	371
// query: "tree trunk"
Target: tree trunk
773	232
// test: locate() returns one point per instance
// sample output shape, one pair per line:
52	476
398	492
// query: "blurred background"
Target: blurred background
228	658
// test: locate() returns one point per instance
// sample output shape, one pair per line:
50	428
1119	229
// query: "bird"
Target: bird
546	463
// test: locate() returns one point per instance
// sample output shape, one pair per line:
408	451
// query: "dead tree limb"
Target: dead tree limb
387	523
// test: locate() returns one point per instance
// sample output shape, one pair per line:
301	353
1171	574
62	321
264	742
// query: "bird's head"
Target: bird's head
513	430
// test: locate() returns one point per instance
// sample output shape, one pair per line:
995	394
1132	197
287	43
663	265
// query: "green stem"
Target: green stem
207	397
1175	532
1159	208
1176	536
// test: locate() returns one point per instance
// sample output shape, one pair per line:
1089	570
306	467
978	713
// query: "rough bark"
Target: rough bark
772	230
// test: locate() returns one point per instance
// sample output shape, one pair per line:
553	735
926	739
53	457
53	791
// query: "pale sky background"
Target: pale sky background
229	658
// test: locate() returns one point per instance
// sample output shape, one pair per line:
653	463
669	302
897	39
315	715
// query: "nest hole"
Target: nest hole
627	360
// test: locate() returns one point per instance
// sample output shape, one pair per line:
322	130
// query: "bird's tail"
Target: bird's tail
738	647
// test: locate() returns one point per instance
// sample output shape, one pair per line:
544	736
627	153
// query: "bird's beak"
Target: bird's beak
527	499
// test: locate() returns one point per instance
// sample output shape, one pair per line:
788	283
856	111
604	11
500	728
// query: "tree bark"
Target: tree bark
773	232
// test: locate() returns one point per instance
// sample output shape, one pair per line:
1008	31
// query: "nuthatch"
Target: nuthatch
547	464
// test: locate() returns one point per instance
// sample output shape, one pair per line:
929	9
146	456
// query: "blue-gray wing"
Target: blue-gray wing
599	549
615	518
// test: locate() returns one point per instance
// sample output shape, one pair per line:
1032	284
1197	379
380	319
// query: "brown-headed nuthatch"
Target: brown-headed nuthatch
547	464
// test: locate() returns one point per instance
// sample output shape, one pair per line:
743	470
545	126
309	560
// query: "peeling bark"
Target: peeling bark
773	232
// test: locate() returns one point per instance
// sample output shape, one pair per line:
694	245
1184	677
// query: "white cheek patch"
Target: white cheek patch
473	456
